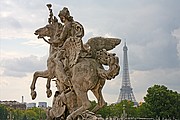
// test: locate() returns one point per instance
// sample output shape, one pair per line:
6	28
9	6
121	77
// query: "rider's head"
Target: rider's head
64	14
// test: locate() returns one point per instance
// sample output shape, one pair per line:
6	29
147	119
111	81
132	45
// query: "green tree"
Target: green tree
129	108
93	104
35	113
118	109
24	117
143	111
3	112
104	111
162	102
30	114
18	114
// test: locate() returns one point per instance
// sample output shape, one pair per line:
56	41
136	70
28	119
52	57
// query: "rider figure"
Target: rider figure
65	18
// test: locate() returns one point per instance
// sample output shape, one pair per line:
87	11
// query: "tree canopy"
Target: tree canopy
17	114
163	103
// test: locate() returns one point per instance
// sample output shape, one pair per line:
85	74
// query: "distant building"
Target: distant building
31	105
42	104
14	104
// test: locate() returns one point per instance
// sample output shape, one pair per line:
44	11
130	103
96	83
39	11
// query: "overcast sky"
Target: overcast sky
151	29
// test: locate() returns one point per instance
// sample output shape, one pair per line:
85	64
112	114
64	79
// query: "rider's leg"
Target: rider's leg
60	72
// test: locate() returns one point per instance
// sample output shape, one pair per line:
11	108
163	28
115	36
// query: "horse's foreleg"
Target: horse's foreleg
37	74
97	91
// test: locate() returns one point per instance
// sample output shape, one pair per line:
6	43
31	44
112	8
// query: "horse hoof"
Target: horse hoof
49	93
33	94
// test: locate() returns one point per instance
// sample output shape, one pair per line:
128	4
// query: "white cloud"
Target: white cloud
142	80
176	34
19	67
19	20
3	83
9	55
36	43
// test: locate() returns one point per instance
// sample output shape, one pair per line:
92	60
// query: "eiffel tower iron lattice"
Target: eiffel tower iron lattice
126	92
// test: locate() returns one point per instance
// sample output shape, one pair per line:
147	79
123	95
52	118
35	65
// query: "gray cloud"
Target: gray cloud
13	13
148	31
19	67
9	23
147	27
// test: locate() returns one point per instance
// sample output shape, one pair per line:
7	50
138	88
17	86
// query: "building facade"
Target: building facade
14	104
30	105
42	104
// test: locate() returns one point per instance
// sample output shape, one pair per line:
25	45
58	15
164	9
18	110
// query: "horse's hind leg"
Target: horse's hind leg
97	91
37	74
48	85
83	97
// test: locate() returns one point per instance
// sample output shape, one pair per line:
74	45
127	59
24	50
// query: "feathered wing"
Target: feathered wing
99	47
99	43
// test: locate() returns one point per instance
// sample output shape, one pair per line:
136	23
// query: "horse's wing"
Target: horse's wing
99	43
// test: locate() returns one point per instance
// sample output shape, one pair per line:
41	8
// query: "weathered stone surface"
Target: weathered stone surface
88	115
76	67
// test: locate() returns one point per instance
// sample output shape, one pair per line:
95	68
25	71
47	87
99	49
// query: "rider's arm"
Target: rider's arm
62	36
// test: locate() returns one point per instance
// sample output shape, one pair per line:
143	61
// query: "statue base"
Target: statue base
88	115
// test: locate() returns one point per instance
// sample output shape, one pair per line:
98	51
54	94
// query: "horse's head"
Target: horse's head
49	30
46	31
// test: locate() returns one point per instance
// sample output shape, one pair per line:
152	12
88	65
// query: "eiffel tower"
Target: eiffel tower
126	92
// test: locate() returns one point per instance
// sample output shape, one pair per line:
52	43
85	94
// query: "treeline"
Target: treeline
7	113
159	103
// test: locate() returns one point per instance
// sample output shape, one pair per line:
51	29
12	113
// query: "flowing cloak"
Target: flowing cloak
73	45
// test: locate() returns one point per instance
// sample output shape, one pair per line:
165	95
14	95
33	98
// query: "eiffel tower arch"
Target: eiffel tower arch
126	91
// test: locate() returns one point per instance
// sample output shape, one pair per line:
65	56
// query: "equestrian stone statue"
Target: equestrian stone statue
76	67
